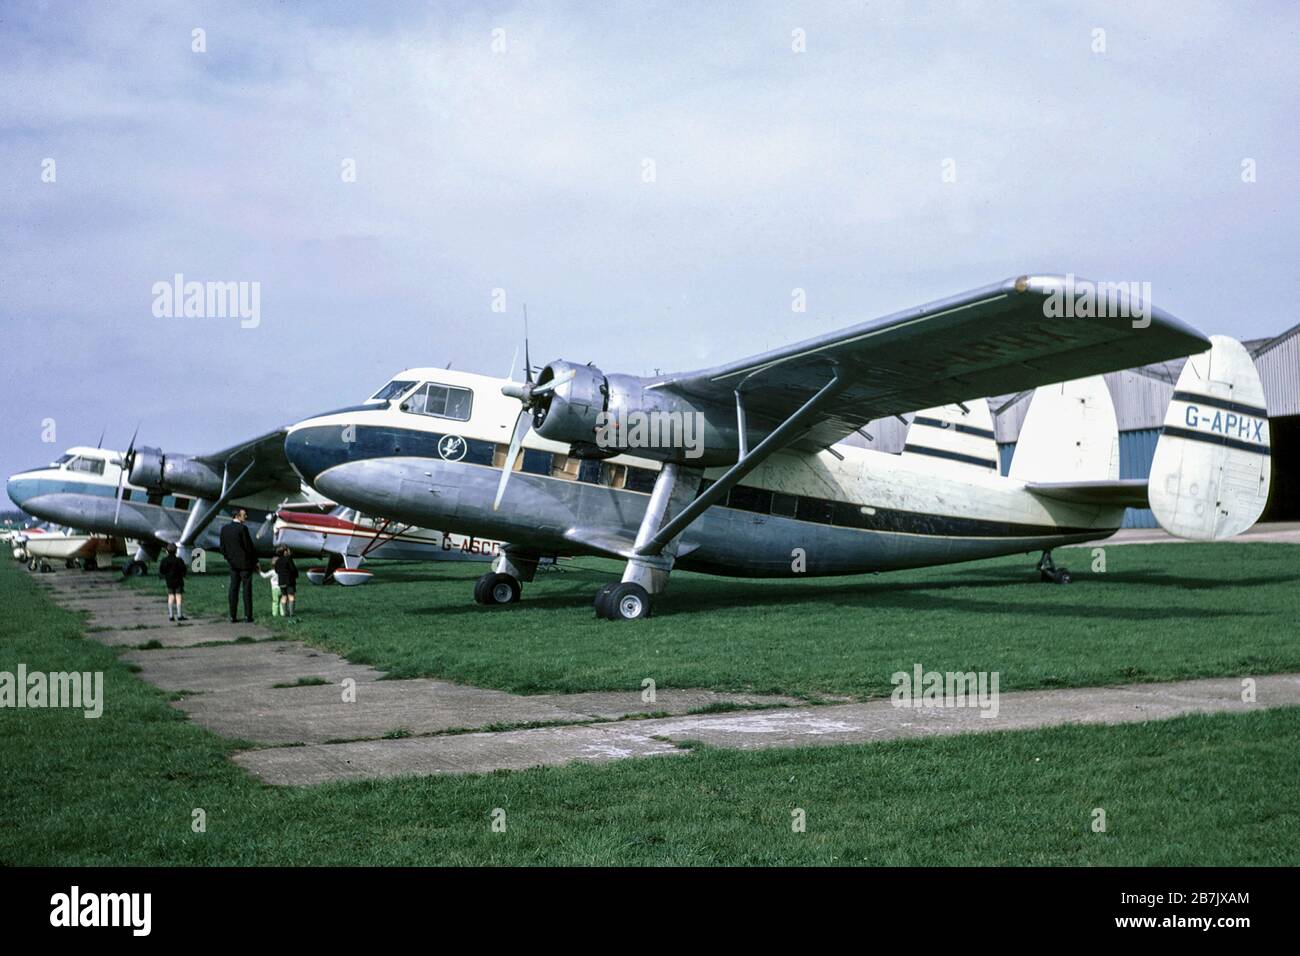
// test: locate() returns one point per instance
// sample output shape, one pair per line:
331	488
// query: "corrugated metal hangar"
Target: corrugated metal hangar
1141	397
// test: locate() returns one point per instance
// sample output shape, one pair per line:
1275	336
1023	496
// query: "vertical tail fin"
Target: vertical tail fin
1210	474
959	435
1069	434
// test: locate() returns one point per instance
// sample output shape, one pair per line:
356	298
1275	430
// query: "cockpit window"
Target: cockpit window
61	460
442	401
391	391
91	466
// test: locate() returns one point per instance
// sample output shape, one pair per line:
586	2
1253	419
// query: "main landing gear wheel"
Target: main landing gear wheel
625	601
90	564
1049	573
70	563
494	588
133	569
602	599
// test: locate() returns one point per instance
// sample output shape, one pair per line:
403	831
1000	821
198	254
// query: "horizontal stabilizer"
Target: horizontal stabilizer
1126	493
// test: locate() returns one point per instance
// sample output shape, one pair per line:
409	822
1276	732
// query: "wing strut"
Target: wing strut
778	439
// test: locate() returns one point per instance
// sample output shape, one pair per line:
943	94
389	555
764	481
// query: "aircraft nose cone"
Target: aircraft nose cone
19	489
313	448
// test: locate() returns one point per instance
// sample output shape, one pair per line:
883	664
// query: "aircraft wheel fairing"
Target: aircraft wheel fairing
351	578
493	588
627	601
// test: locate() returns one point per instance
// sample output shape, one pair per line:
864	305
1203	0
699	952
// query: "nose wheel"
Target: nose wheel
495	588
622	601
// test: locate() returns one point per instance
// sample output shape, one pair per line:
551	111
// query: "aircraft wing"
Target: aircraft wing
998	339
265	453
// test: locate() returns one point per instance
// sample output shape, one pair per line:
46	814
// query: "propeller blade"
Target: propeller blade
514	360
528	363
522	424
122	472
554	383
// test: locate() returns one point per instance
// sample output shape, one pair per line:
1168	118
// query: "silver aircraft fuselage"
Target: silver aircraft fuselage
849	511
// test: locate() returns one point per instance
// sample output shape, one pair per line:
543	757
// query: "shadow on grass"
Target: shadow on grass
695	596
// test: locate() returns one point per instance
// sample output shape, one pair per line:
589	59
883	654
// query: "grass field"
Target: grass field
1159	612
1197	790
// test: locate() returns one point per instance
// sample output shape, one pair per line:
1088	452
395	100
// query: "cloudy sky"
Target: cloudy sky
508	146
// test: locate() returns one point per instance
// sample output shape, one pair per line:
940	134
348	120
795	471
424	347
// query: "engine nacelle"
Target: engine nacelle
152	469
572	412
147	467
599	415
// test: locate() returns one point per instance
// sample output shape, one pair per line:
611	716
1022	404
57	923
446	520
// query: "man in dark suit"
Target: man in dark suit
237	548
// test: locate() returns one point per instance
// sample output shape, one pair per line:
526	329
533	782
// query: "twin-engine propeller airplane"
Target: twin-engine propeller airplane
765	486
156	498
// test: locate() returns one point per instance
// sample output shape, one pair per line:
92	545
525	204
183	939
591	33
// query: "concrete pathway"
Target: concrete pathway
1274	532
315	717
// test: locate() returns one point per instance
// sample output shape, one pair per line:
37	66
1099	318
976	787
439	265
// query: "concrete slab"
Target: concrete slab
868	722
234	667
456	754
1273	532
612	705
319	714
880	720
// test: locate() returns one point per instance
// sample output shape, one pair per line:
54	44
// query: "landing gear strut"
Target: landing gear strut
647	574
1049	573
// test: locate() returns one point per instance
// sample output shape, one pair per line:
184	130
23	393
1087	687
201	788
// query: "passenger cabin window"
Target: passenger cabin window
441	401
391	391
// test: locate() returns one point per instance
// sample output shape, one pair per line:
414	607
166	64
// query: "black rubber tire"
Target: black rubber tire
501	589
90	564
480	592
70	563
1063	576
627	602
601	601
133	569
